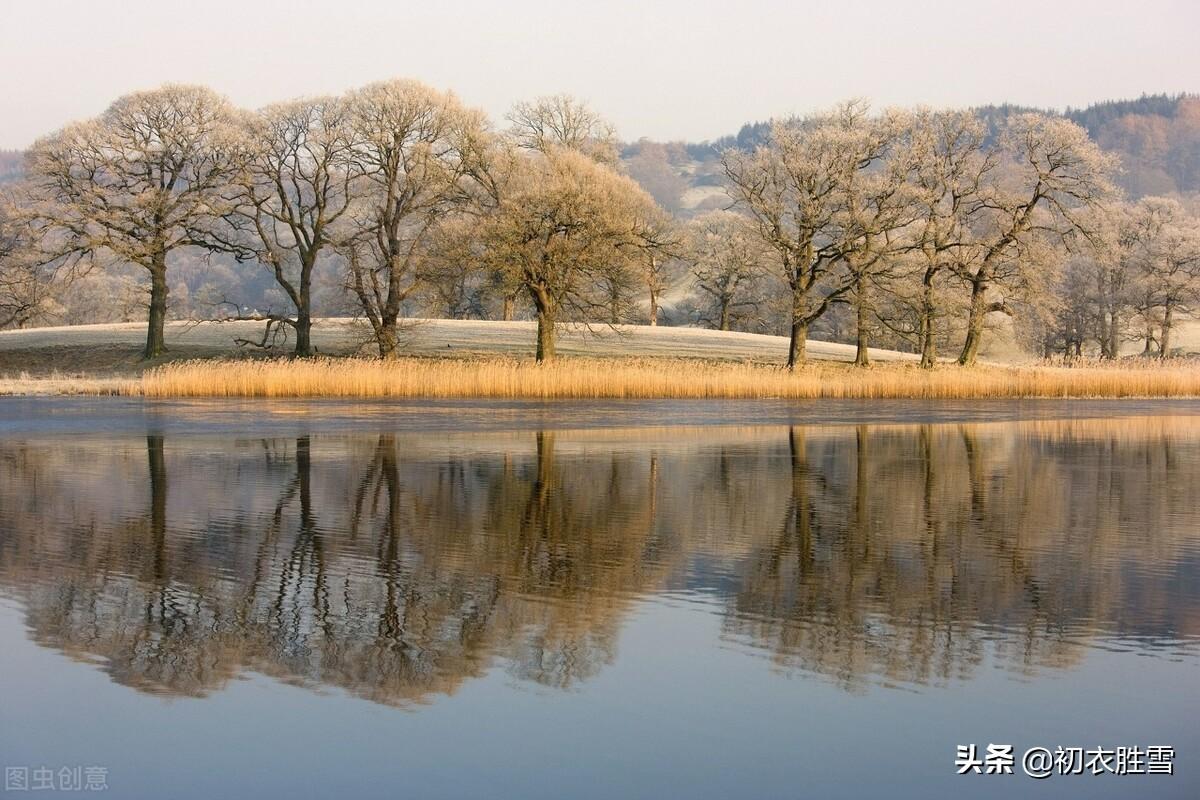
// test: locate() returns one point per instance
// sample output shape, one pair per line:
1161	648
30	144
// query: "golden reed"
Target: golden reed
594	379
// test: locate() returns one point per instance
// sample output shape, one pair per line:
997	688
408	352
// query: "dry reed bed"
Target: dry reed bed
58	384
594	379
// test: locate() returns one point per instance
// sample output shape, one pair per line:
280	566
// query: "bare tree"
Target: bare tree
1170	265
873	207
295	183
950	169
790	187
659	242
1048	171
561	229
728	258
1121	236
30	281
451	267
139	182
416	148
561	121
1111	284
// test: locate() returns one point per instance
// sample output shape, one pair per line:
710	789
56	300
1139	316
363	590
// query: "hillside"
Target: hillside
1157	138
115	349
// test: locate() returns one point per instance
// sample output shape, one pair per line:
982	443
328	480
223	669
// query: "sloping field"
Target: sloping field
82	348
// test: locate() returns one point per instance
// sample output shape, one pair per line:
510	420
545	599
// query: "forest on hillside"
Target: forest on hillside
1156	137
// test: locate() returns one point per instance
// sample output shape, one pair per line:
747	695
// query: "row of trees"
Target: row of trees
393	179
1133	281
922	224
905	226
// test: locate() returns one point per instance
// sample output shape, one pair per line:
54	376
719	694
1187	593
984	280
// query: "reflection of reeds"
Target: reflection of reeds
612	378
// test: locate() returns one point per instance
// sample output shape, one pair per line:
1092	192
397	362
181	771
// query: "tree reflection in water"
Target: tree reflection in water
397	566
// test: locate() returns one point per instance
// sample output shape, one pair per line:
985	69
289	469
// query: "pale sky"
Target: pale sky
667	69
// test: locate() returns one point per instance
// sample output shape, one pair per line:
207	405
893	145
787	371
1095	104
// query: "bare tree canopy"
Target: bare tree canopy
795	187
914	228
561	121
562	228
949	170
420	153
728	261
1047	173
1137	273
844	199
295	182
144	179
29	279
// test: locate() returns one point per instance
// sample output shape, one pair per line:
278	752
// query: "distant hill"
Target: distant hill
1157	138
12	164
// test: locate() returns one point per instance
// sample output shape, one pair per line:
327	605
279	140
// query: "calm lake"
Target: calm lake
639	600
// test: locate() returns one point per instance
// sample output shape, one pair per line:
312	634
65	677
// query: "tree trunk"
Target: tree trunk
303	334
653	308
158	484
544	305
928	345
796	344
506	310
155	340
800	511
304	481
724	320
862	357
1112	348
975	320
861	458
1164	345
304	308
545	338
158	562
387	337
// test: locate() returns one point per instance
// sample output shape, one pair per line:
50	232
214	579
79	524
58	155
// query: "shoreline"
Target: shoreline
589	378
672	421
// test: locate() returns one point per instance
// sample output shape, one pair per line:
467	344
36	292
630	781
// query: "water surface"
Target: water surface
604	600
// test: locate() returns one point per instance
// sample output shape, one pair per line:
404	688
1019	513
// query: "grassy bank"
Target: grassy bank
505	378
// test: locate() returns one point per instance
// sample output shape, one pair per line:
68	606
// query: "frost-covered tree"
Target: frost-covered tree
873	206
562	230
950	167
296	181
793	188
561	121
29	280
1047	174
419	151
1170	267
657	246
144	179
728	261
